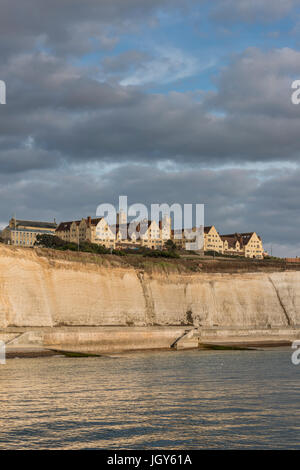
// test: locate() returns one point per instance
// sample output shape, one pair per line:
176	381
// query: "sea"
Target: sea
152	400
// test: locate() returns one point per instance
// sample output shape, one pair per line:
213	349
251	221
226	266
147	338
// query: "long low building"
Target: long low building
24	232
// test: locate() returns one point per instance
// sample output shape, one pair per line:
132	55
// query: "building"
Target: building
150	234
153	235
232	245
87	230
212	240
24	232
146	233
122	235
248	245
165	226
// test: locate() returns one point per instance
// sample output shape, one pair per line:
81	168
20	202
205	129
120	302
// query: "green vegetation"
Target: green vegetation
170	245
216	254
51	241
274	258
161	254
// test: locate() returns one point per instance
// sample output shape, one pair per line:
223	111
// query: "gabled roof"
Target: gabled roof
126	229
205	229
35	224
63	226
230	240
143	226
95	221
242	238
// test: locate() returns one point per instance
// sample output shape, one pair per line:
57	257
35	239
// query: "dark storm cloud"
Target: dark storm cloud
234	199
258	83
66	110
67	28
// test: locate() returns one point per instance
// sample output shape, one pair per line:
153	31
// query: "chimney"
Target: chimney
89	221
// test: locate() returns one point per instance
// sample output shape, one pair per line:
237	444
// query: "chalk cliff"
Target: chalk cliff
40	291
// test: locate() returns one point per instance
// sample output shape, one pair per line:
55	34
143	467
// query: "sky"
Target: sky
168	101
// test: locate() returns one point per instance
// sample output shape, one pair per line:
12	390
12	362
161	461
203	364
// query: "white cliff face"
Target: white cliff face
226	300
39	291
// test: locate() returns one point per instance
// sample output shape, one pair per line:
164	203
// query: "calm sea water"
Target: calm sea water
178	400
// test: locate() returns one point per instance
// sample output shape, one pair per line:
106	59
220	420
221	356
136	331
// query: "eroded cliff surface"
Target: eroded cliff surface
39	291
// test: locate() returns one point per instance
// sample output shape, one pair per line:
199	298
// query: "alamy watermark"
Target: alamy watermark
2	92
2	353
296	354
186	221
296	94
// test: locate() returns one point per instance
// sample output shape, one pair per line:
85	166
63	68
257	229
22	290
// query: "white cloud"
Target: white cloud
168	65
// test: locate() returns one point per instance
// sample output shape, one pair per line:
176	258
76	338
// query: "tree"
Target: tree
170	245
49	241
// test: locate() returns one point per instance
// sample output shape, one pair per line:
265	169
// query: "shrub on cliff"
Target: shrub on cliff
49	241
161	254
119	252
56	243
216	254
88	247
170	245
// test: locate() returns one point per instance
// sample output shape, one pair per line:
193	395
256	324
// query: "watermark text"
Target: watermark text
2	353
2	92
296	94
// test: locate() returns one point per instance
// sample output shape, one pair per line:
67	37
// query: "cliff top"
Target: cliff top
186	264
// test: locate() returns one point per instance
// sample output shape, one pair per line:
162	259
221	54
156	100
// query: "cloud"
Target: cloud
123	62
168	65
231	11
68	112
245	200
72	27
258	82
70	139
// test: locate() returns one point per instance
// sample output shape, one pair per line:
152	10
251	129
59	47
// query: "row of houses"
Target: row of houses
247	244
149	234
95	230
